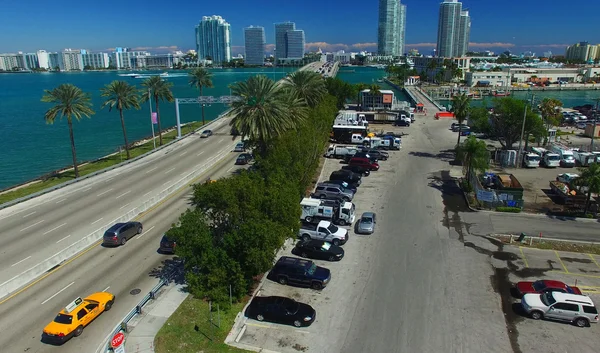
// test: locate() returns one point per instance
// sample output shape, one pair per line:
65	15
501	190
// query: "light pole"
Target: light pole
151	120
518	163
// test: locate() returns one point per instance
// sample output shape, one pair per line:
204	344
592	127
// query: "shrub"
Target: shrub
508	209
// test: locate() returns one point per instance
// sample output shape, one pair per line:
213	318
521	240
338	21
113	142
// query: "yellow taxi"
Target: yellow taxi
76	315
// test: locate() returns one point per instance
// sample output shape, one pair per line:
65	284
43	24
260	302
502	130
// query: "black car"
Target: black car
167	245
244	158
318	249
359	169
342	183
361	154
348	176
281	310
300	272
401	122
121	232
380	155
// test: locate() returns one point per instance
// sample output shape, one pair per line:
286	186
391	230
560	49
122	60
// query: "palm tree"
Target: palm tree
432	66
69	102
160	90
200	78
266	110
461	105
360	87
474	156
307	85
590	179
122	96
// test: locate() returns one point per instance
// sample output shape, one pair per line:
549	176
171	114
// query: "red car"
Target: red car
363	162
544	286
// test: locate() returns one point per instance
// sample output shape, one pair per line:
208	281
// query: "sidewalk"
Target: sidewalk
144	328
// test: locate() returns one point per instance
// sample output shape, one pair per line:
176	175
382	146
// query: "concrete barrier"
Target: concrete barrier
14	284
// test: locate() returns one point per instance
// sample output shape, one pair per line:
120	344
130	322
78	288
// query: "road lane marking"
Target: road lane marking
59	201
274	327
25	259
167	182
123	194
53	229
594	259
104	192
221	140
29	214
523	256
197	154
57	293
105	289
144	233
148	193
150	170
86	189
229	170
98	220
125	205
183	153
561	261
33	225
169	171
109	179
63	239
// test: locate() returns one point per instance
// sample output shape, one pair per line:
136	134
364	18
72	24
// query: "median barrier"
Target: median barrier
15	283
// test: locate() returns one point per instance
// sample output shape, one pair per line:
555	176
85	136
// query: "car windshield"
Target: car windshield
311	270
547	298
569	157
366	220
553	158
534	158
538	286
332	228
63	319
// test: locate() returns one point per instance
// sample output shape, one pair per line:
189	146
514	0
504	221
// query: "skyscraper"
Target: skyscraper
294	44
280	38
213	39
454	29
254	44
392	28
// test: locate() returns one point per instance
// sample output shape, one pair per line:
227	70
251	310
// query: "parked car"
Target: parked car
359	169
364	162
455	127
325	231
343	184
567	177
401	122
543	286
574	308
324	191
244	158
366	223
361	154
353	179
300	272
281	310
240	147
378	154
167	245
318	249
121	232
206	133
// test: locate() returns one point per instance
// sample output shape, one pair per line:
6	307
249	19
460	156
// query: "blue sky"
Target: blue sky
159	25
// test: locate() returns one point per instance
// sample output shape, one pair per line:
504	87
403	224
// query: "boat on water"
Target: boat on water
132	74
500	93
379	80
164	74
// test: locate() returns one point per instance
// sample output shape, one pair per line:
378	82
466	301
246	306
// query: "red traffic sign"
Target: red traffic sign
117	340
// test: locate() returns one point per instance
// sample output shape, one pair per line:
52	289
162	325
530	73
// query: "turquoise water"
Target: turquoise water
32	148
368	75
568	98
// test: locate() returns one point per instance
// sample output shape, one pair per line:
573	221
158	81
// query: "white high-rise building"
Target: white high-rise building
213	39
391	32
295	44
96	60
43	59
71	60
254	45
454	29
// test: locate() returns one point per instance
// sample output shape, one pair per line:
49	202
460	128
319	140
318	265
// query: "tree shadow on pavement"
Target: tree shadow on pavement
444	155
171	270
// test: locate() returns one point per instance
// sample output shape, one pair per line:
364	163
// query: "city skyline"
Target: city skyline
326	28
391	29
454	26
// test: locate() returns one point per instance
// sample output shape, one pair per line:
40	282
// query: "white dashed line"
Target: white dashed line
165	183
109	179
35	224
123	194
197	154
169	171
55	228
96	221
148	193
29	214
105	192
183	153
141	235
148	171
25	259
63	239
125	205
221	140
86	189
57	293
105	289
59	201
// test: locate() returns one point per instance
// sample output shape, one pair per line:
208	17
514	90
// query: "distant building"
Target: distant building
213	39
295	44
391	30
454	30
30	61
124	58
583	51
339	56
423	64
254	45
547	54
54	61
281	40
43	59
72	60
96	60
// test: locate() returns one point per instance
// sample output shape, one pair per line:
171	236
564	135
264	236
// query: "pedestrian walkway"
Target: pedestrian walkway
144	328
429	107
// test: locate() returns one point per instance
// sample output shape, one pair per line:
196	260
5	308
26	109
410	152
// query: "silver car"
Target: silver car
366	224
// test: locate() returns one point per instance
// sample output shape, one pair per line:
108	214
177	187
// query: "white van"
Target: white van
567	158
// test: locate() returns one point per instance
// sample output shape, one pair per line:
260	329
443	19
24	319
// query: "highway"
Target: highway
35	230
123	269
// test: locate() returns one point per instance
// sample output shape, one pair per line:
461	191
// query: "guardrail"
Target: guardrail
87	176
437	105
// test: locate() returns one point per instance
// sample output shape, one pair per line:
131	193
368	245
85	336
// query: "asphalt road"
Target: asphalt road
36	229
137	265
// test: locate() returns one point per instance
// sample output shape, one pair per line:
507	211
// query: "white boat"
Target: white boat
130	74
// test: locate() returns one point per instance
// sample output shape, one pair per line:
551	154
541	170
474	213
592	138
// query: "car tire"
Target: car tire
306	237
303	254
297	323
342	222
331	258
323	197
108	305
78	331
123	240
140	230
537	315
308	219
581	322
316	285
259	317
282	280
335	242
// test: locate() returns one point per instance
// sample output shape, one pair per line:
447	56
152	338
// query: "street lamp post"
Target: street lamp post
518	164
151	120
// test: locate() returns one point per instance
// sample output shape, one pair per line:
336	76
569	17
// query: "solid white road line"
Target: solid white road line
86	189
98	220
59	201
104	192
144	233
57	293
197	154
183	153
29	214
123	194
105	289
148	171
35	224
63	239
169	171
109	179
148	193
25	259
53	229
125	205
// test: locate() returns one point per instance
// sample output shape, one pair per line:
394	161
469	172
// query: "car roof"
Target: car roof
288	260
553	283
368	214
313	242
572	298
115	227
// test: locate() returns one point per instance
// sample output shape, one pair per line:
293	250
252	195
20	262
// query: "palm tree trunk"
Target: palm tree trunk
459	132
158	121
124	133
73	147
203	121
587	201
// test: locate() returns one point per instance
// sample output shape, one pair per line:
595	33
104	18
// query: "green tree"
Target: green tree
265	111
461	106
507	121
474	156
341	90
200	78
590	179
479	120
69	102
122	96
359	87
307	85
160	90
551	113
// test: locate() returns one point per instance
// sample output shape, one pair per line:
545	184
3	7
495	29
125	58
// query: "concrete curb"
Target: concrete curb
548	239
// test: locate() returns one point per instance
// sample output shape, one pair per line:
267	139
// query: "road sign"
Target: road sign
117	340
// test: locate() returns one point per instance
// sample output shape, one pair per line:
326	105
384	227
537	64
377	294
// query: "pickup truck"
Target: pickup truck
325	231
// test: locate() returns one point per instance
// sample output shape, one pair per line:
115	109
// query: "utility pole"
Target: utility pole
518	162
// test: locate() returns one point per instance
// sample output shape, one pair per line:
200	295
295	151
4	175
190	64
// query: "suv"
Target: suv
362	154
364	162
300	272
332	191
345	175
121	232
574	308
167	245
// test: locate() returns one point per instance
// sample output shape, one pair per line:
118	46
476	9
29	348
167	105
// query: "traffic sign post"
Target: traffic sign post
117	343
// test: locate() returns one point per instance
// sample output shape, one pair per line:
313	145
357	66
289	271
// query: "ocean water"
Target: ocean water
31	148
